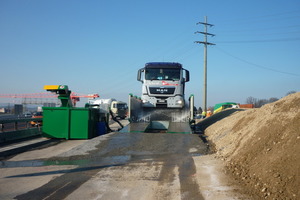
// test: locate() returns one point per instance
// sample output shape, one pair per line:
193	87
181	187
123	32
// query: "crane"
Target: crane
45	95
76	97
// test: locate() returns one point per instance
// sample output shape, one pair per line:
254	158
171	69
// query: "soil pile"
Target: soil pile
261	147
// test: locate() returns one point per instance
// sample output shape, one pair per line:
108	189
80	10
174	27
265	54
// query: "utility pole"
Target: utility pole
205	43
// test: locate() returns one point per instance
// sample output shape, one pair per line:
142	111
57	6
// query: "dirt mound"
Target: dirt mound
262	147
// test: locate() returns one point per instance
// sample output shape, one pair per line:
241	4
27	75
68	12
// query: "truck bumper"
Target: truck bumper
170	102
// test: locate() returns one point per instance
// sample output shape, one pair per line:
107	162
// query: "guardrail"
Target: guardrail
13	129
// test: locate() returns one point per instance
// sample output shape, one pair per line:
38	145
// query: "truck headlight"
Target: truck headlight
179	102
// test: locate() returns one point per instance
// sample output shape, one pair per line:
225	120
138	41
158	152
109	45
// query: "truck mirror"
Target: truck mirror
187	75
139	75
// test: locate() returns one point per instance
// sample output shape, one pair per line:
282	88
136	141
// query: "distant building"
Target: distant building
2	110
49	104
18	109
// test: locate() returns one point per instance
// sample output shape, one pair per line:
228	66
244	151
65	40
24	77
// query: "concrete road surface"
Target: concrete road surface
118	166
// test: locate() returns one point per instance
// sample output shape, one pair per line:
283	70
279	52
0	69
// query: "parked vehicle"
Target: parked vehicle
118	108
39	122
28	115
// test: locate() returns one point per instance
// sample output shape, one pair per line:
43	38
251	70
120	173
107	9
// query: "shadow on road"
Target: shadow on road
79	169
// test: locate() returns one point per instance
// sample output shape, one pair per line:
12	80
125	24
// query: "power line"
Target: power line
257	65
261	34
185	54
261	29
260	41
262	17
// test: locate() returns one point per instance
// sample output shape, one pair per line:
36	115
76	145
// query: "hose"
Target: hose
115	119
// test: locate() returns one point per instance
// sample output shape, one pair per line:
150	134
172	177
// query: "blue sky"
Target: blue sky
98	46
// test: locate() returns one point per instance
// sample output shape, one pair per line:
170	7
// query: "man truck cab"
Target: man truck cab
163	84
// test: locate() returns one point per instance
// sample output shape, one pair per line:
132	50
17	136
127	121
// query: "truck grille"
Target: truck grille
162	90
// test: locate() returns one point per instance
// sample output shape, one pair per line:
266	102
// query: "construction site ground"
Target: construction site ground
255	156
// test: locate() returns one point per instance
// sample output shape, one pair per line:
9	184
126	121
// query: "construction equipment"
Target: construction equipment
222	106
118	108
63	92
74	97
69	122
162	107
39	122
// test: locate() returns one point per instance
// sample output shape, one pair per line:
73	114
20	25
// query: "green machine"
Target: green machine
221	106
67	121
63	92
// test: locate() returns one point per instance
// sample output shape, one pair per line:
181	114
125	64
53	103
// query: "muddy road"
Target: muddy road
114	166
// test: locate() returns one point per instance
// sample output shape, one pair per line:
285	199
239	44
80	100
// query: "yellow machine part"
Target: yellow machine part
51	87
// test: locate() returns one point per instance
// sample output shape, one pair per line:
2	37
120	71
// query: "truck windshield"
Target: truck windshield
162	74
121	106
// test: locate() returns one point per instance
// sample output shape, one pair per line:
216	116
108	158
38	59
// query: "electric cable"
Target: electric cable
256	65
260	41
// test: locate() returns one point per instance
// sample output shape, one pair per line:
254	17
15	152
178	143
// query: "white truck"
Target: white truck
163	84
118	108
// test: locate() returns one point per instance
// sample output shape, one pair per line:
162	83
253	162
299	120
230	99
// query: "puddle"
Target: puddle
26	163
196	154
123	159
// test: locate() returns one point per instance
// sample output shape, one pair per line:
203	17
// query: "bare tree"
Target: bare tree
273	99
290	92
251	100
260	103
